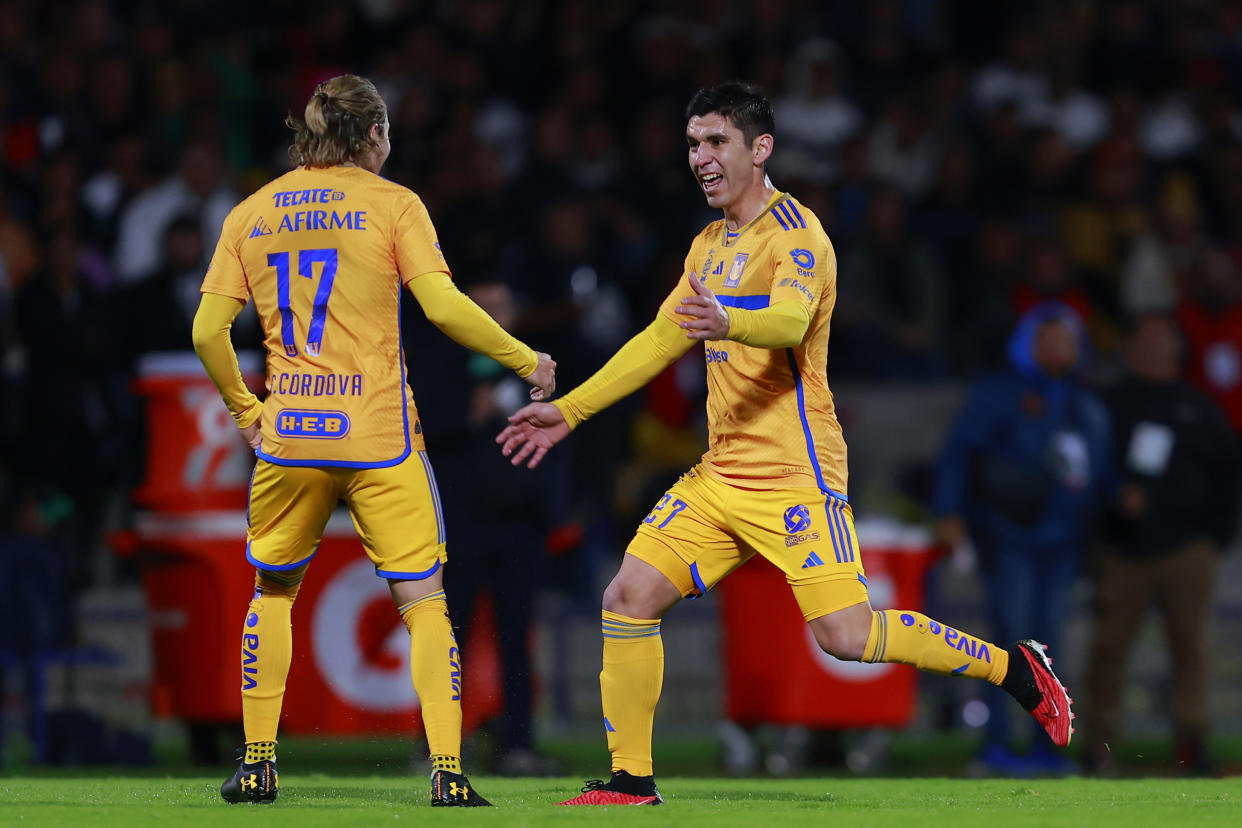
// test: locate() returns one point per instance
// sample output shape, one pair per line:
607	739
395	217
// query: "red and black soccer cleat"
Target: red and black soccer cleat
1052	710
621	789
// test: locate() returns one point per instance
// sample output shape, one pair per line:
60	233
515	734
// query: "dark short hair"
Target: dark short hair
744	104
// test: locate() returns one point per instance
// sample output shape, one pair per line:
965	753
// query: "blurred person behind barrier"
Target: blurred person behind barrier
1177	467
500	519
1021	470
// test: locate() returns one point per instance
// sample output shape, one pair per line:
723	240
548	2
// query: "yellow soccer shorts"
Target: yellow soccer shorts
396	511
703	528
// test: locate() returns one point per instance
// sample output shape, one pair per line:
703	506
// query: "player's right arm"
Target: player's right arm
213	323
537	427
225	293
634	365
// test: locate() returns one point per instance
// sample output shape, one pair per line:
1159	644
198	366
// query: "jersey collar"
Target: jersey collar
777	195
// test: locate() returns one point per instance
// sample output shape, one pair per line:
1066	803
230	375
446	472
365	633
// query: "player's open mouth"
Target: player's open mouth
711	181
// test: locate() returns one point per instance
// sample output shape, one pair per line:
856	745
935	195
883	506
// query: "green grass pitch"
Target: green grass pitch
311	800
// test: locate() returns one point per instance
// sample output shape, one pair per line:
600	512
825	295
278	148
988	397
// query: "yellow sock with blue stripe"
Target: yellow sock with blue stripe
435	668
266	652
630	685
904	637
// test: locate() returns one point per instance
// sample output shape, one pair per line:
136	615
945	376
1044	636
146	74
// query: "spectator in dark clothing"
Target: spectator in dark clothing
1024	464
890	315
498	518
1177	465
64	336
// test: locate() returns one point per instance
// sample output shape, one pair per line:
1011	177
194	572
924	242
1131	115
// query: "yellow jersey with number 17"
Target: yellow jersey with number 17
770	415
325	253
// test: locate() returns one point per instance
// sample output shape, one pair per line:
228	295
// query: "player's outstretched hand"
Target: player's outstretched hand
543	378
708	318
531	432
254	434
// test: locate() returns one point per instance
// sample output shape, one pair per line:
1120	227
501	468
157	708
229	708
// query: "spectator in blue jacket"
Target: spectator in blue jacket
1023	467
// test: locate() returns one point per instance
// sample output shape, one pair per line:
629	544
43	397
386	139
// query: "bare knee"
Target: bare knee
639	590
843	634
630	599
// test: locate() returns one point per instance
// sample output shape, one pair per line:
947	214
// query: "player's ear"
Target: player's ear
762	149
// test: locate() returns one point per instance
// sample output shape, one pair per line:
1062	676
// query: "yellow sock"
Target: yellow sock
452	764
267	649
259	752
630	688
905	637
435	667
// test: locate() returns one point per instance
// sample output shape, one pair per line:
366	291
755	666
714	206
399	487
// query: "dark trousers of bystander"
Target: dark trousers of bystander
1179	586
505	559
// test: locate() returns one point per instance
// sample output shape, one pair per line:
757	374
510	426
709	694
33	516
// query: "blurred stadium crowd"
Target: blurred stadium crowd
970	159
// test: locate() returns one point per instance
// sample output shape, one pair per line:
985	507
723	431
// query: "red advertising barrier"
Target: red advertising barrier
351	652
196	457
775	673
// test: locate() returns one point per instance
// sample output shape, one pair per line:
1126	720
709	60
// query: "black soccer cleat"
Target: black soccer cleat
450	789
253	782
621	789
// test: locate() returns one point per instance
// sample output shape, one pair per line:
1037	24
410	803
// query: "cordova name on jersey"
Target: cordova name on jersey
315	385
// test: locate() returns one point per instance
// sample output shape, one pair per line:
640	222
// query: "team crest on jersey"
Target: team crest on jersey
735	271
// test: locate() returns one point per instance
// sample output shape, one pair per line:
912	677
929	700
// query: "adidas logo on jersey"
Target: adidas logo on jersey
812	560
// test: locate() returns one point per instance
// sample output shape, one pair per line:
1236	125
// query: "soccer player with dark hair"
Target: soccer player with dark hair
759	289
325	251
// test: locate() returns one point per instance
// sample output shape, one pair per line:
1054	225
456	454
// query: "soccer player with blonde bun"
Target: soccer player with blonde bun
758	289
325	251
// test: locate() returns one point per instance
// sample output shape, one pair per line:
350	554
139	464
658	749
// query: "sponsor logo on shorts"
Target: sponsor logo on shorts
797	519
794	540
714	355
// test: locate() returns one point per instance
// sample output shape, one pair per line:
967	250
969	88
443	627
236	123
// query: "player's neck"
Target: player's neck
747	208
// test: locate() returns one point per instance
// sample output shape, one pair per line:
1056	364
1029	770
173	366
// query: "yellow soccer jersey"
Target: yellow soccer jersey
325	253
770	414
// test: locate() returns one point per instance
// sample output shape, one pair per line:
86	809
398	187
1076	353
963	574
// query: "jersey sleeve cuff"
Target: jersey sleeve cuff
569	411
249	415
